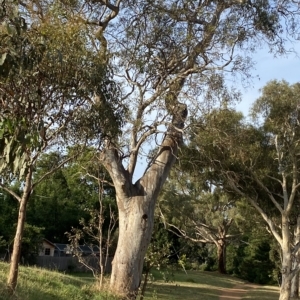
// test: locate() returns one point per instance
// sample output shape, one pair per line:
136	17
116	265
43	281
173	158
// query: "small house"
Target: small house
58	250
47	248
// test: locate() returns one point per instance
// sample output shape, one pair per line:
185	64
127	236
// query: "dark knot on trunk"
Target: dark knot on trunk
179	113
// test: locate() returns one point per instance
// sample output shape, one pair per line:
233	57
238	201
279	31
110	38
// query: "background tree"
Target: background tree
260	163
58	202
49	75
99	230
252	258
193	212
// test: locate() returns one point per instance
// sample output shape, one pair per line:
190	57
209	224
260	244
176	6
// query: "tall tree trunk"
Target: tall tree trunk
136	205
296	261
285	290
221	251
15	258
135	229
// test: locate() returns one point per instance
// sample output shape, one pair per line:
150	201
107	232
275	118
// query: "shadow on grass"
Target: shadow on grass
179	292
193	285
210	278
262	293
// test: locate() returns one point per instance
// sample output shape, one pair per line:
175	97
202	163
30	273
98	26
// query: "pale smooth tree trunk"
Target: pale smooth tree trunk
136	205
296	261
15	258
285	290
135	229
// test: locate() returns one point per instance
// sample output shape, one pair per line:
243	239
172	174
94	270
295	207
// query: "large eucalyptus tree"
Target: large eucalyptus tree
166	56
193	212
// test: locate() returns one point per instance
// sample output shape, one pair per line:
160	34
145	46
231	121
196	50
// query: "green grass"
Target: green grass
40	284
263	293
194	285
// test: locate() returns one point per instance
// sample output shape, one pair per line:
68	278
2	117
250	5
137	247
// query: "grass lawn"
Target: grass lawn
263	293
194	285
40	284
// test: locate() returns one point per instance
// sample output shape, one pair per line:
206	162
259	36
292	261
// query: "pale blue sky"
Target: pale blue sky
269	68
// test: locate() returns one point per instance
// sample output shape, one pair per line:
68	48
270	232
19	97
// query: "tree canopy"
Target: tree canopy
124	75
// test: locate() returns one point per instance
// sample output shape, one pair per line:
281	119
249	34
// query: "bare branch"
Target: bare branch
53	170
277	205
11	192
260	210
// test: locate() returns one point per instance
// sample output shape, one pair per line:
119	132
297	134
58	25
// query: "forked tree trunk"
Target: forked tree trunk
136	205
136	217
15	258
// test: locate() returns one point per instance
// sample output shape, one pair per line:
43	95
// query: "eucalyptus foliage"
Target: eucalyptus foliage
51	79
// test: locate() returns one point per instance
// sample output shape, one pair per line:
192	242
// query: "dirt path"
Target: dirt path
236	292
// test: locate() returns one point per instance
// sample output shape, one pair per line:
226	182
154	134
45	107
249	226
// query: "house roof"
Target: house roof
61	247
48	242
88	249
82	248
85	248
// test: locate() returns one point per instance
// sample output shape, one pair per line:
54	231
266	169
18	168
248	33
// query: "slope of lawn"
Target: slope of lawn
40	284
192	286
263	293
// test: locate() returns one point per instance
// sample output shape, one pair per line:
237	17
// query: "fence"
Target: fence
69	263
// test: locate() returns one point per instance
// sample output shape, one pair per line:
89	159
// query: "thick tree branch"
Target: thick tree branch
295	186
181	233
53	170
258	208
11	192
112	161
270	195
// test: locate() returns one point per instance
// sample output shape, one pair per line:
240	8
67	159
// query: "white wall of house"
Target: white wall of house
47	249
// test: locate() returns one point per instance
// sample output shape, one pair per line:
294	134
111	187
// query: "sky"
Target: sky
268	68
